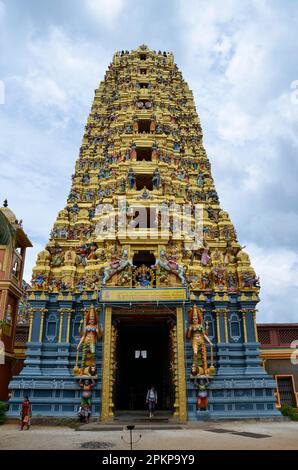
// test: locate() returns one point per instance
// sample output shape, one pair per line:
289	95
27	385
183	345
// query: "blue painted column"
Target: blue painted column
63	346
251	345
251	333
34	352
223	366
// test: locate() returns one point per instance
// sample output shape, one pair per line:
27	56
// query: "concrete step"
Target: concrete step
97	427
141	419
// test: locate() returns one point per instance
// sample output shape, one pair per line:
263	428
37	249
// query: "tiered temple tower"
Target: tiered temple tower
143	240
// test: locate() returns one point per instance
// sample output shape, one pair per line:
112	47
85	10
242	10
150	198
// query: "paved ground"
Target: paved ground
262	435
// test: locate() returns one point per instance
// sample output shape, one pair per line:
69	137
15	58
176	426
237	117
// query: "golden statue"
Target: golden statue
198	337
90	335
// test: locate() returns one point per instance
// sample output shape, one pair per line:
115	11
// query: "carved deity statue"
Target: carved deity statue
131	178
156	179
116	265
170	264
90	335
198	337
57	256
70	257
86	387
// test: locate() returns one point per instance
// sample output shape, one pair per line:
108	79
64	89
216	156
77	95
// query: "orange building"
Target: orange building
279	353
13	244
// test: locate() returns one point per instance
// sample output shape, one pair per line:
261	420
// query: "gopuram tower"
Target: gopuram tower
143	281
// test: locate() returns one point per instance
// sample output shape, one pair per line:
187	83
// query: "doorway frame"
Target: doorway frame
295	393
107	405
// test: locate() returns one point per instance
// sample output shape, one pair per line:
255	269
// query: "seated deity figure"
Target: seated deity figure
144	281
70	257
143	276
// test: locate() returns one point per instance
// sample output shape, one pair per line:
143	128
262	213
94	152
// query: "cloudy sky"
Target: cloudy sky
240	58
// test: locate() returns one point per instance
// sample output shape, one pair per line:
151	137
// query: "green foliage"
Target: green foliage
290	412
3	408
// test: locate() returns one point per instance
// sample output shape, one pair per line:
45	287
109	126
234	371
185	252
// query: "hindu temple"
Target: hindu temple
143	280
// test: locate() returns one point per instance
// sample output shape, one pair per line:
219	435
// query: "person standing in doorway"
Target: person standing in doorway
151	400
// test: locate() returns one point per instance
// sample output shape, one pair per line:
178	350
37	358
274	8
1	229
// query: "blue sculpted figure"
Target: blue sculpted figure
39	281
86	178
131	178
156	179
144	277
127	155
200	180
91	213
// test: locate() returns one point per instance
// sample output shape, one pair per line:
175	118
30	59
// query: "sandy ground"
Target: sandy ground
283	435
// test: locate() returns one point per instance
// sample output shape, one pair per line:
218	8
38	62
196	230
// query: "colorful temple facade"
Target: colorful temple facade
143	280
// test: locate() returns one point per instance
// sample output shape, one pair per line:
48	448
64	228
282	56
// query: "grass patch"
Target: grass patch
290	412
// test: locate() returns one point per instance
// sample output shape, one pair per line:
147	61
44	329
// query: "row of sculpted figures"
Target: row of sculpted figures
91	331
119	270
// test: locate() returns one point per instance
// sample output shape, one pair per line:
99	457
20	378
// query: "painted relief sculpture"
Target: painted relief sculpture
90	335
200	372
198	337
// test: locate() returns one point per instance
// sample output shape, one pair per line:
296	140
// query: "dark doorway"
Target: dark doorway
144	126
286	390
144	154
143	360
143	257
143	181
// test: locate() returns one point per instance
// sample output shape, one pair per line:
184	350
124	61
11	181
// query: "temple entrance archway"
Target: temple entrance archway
143	353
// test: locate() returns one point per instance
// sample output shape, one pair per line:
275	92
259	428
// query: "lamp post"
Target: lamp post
130	428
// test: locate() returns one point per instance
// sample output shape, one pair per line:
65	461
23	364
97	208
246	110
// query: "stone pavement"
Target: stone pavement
247	435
